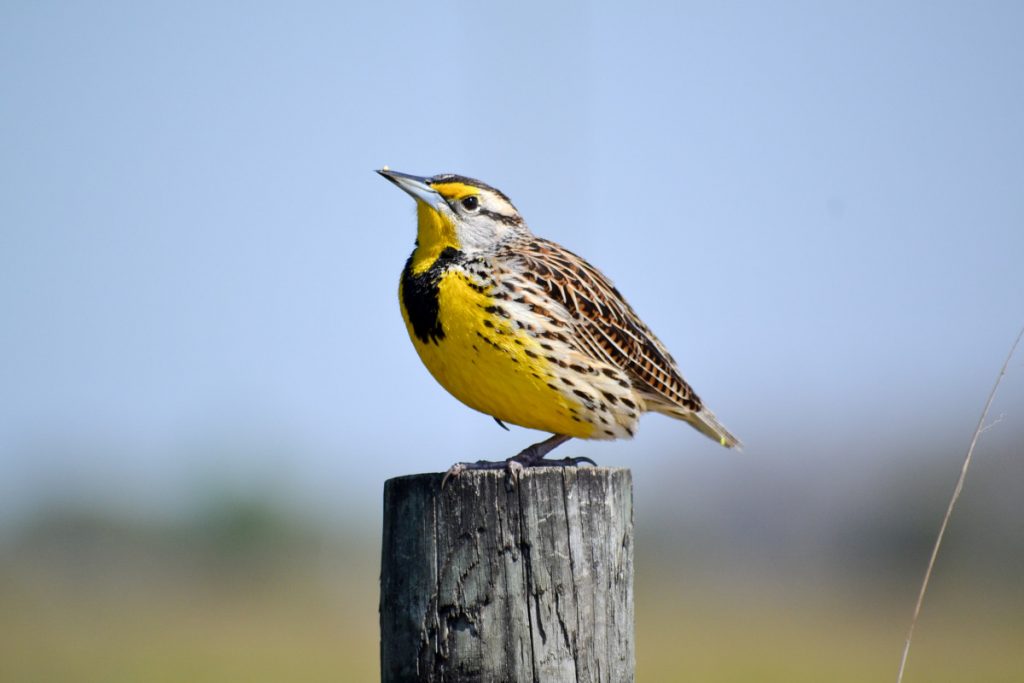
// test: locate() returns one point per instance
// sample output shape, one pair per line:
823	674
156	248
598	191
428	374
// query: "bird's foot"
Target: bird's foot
562	462
514	466
460	467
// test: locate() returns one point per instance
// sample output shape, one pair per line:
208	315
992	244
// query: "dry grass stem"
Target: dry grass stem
952	502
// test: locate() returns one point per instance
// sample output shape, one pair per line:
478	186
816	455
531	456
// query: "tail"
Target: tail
707	424
703	420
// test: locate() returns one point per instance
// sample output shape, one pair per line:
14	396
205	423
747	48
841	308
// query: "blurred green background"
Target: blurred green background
205	380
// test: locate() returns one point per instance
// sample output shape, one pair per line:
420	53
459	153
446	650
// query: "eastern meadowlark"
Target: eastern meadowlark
521	329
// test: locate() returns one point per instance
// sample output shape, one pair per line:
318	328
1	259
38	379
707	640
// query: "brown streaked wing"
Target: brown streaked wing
608	327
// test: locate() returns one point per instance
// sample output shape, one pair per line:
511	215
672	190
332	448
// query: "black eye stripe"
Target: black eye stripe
507	220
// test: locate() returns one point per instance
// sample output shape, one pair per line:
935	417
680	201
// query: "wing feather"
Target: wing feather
606	326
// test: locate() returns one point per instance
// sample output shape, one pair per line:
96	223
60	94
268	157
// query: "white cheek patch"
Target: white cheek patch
477	234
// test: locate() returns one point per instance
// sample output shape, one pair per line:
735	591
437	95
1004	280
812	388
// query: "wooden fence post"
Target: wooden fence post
486	582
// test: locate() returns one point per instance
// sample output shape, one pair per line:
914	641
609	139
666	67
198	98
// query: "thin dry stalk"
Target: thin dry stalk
952	502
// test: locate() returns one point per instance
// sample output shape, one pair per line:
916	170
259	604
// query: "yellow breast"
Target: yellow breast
483	359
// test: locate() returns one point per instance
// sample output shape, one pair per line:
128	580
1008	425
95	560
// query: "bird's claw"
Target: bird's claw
514	469
453	471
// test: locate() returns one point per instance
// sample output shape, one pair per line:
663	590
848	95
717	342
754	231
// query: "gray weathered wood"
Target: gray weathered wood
483	582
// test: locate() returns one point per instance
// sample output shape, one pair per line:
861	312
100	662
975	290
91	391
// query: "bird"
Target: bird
521	329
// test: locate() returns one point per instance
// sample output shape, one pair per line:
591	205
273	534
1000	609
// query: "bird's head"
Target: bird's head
459	212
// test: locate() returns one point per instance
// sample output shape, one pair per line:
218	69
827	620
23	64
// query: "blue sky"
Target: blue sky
819	208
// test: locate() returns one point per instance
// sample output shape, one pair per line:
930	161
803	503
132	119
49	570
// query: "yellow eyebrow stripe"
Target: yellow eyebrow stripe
455	190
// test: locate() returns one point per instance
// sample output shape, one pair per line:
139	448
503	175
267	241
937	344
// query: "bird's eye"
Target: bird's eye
471	203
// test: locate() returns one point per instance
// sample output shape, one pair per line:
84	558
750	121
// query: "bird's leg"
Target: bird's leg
531	456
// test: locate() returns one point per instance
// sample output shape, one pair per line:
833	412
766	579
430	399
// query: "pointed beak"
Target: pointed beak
419	188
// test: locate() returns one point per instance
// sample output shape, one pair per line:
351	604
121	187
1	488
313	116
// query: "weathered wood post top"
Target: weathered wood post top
493	580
